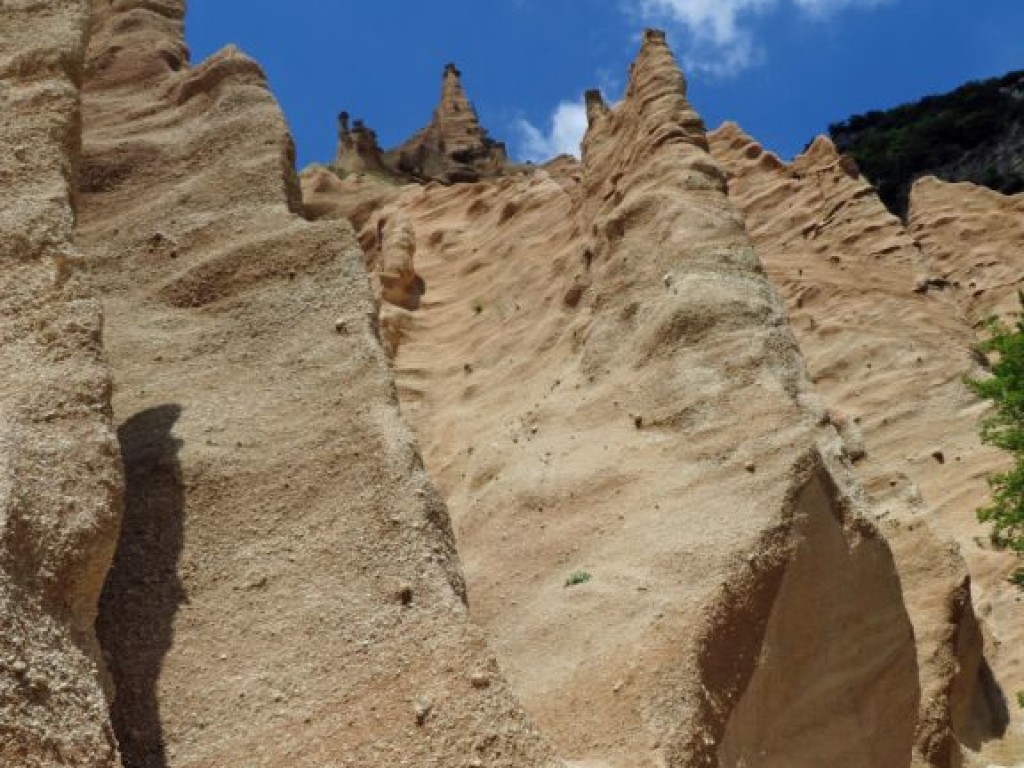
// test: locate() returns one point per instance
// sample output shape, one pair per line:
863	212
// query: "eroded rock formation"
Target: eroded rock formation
454	147
608	392
852	276
60	480
973	238
358	150
286	589
686	544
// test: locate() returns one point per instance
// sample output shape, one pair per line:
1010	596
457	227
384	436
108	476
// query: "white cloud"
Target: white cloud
721	40
825	7
567	125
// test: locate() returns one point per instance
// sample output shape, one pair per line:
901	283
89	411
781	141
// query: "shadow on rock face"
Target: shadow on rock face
989	714
143	592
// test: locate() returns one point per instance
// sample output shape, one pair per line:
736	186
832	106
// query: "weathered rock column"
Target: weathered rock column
60	478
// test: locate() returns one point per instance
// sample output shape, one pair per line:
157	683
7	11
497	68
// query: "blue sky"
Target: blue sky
783	69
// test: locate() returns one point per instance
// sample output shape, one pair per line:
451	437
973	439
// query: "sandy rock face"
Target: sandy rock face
400	285
644	495
286	590
973	238
890	358
654	497
645	162
848	270
60	480
356	198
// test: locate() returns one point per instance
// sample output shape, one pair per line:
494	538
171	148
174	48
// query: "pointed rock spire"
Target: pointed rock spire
455	117
655	109
454	147
596	106
358	150
652	121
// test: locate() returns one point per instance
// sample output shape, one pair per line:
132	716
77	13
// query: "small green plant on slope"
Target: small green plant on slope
577	578
1004	429
1020	699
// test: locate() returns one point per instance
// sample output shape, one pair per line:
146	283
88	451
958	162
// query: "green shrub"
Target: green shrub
577	578
1004	429
931	136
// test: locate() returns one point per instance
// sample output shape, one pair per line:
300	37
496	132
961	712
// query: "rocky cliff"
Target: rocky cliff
690	472
60	479
285	589
875	328
645	489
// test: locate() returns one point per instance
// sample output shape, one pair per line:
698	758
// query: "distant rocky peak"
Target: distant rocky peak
454	147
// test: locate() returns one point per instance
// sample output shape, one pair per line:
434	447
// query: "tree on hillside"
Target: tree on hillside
1004	429
970	134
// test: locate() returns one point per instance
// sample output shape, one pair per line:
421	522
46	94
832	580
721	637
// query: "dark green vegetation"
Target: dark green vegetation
1005	429
975	133
577	578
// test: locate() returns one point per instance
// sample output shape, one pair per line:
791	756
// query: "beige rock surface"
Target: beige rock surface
60	480
286	590
400	285
890	359
659	505
608	393
973	238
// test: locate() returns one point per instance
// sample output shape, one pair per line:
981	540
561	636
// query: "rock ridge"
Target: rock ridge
850	272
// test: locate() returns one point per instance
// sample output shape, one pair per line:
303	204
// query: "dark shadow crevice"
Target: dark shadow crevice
142	592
